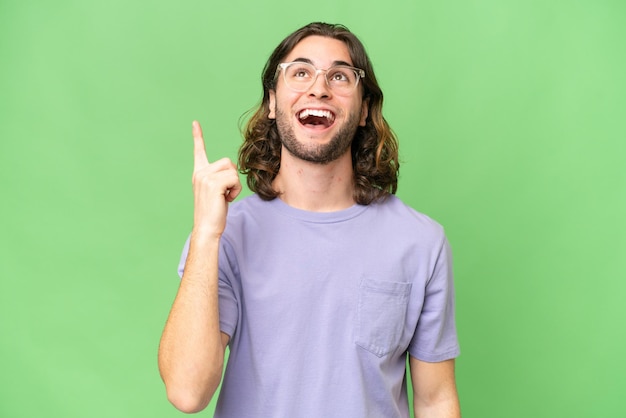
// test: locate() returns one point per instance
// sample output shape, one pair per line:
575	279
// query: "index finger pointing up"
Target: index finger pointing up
199	153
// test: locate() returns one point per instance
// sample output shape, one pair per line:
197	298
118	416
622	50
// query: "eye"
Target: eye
299	71
341	75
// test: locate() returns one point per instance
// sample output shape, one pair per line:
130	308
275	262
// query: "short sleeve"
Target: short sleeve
228	289
435	337
228	306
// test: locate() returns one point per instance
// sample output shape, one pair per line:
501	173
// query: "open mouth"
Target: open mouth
316	118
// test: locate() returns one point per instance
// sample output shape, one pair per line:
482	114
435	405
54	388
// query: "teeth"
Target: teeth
316	112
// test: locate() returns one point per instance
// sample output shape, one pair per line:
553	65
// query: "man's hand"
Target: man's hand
214	186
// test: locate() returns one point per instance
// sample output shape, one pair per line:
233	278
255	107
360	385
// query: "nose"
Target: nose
320	87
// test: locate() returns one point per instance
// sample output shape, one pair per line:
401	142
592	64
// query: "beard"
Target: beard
317	153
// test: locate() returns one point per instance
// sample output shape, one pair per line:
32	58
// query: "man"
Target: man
322	281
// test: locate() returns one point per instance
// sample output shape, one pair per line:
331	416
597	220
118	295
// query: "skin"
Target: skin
322	153
191	352
310	185
317	144
316	175
434	389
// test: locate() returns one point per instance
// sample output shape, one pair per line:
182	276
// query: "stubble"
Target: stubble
317	153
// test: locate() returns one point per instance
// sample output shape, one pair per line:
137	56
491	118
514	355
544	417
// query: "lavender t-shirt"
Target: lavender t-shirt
322	308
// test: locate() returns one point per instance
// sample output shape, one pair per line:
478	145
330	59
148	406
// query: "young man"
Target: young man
322	281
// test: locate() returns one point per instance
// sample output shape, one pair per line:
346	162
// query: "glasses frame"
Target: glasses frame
283	65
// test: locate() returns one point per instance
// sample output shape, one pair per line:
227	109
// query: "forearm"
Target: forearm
445	407
191	353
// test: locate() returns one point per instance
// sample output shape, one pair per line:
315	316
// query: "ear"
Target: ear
272	105
364	111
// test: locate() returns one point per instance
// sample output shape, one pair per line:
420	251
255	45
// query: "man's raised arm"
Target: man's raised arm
191	352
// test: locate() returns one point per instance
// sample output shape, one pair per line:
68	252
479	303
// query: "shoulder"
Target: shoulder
245	204
251	206
397	214
393	221
246	215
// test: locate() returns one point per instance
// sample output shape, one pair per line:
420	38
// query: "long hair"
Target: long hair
374	147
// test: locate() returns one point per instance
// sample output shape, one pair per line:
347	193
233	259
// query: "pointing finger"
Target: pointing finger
199	153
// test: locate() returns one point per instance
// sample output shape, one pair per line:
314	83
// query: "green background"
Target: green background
511	120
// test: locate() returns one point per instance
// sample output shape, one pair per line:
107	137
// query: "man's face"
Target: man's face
317	125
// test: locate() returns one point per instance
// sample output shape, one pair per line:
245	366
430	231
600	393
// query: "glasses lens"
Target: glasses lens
342	79
300	76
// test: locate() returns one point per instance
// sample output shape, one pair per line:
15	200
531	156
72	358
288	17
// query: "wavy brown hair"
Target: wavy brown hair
374	147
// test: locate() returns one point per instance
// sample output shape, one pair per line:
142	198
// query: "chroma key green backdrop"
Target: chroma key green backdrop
511	119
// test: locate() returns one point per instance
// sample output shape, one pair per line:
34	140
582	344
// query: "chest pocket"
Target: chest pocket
381	315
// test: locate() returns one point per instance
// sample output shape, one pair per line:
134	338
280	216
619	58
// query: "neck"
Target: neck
315	187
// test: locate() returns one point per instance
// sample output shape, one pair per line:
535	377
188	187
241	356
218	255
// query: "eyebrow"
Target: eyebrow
311	62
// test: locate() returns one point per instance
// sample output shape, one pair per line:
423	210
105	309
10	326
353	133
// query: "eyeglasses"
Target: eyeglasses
300	76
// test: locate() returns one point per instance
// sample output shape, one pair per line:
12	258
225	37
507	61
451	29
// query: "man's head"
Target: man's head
357	114
317	100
